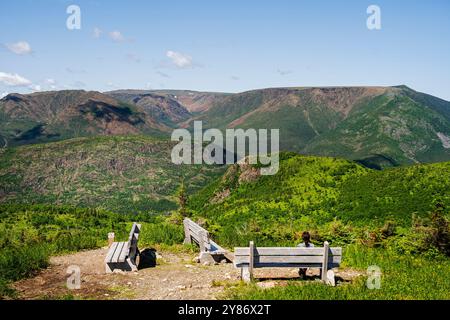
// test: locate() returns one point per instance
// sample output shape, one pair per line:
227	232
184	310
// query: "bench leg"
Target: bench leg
326	248
206	257
330	278
132	265
187	234
245	274
108	268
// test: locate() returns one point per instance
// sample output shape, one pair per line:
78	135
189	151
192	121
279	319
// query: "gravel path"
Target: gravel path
174	277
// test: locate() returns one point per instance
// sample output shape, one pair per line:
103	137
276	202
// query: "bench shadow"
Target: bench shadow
341	280
147	259
338	279
296	278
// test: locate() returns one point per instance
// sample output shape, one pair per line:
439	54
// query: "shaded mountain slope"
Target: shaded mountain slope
163	108
57	115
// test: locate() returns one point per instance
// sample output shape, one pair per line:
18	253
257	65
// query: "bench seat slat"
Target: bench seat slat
111	251
115	257
124	254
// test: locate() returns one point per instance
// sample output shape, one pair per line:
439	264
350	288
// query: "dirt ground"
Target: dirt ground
175	277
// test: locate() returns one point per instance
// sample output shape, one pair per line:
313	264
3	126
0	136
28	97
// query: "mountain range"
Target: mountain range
376	126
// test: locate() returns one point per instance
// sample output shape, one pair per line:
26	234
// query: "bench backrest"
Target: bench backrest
193	232
133	239
287	257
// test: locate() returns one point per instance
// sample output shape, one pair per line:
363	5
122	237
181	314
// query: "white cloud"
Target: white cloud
3	94
179	59
21	47
51	83
97	33
116	36
35	87
14	80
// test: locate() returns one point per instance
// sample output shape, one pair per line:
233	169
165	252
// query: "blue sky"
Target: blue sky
228	46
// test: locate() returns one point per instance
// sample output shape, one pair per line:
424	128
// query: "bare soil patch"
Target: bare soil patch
174	277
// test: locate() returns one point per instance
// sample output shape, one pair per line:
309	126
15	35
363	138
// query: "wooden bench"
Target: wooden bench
252	257
123	255
209	250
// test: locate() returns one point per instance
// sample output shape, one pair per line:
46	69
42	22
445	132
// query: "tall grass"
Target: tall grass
20	262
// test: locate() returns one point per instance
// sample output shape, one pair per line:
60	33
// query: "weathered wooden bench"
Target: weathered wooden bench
325	258
209	250
123	255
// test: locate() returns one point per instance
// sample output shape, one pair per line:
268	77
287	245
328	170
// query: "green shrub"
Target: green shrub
21	261
162	233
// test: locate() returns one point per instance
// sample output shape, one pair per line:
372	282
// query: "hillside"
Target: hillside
381	126
191	101
397	128
311	192
120	173
194	101
58	115
165	109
